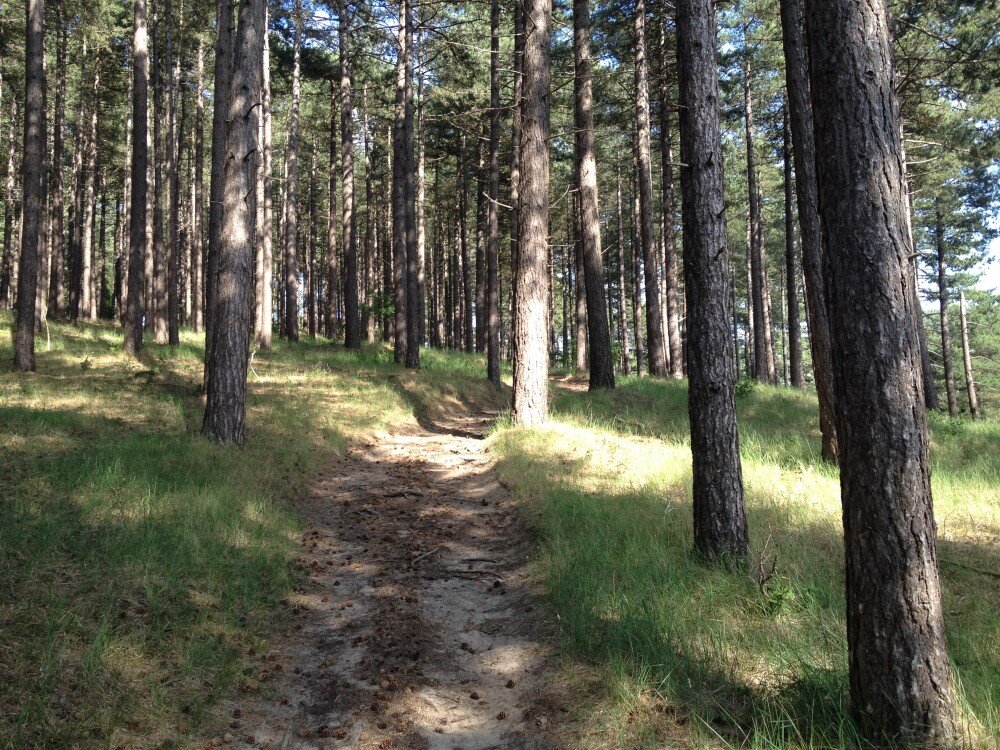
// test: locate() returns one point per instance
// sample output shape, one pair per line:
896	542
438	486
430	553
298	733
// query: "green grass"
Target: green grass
687	654
140	564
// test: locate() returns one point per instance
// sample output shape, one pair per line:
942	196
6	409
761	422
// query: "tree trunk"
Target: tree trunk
291	204
531	371
333	322
468	335
763	345
942	275
33	200
265	251
807	196
140	159
970	383
516	136
602	371
492	208
197	211
720	526
622	314
655	345
576	272
223	70
637	285
312	288
794	333
7	275
352	335
899	672
399	261
173	185
670	255
225	409
56	209
161	251
410	173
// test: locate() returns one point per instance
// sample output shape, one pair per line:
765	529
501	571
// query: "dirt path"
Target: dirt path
418	630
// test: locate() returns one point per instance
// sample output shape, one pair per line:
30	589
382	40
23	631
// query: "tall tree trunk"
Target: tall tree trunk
899	671
419	209
670	255
410	172
602	371
492	208
352	335
140	159
333	327
650	256
225	408
312	288
579	287
198	189
223	70
792	277
173	185
720	526
942	275
807	196
161	249
622	314
7	275
970	383
399	262
291	204
33	200
516	135
266	304
78	190
88	301
531	371
367	281
56	209
637	284
468	335
763	345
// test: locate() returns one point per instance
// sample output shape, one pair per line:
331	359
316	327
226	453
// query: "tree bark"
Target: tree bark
807	197
942	275
140	158
7	276
792	277
468	334
198	211
763	345
399	260
970	383
223	70
655	346
412	259
531	362
333	321
56	209
492	208
602	371
291	204
173	185
900	676
670	255
225	409
720	527
352	335
622	313
265	302
33	189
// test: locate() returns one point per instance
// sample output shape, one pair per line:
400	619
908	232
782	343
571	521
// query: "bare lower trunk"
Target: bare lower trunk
265	251
352	334
970	383
792	277
56	209
807	196
602	372
492	209
399	262
140	158
198	211
333	327
900	676
720	527
33	200
291	205
622	296
530	403
670	283
942	276
225	409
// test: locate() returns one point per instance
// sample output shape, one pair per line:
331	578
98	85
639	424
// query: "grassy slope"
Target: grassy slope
746	662
140	564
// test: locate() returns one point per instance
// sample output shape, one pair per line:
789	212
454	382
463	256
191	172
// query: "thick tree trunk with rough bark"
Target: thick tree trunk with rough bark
399	262
792	277
531	361
807	197
899	671
655	342
410	191
225	409
352	332
223	69
602	371
720	526
492	208
33	189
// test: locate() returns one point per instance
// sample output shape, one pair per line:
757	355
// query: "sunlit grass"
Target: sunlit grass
746	660
140	564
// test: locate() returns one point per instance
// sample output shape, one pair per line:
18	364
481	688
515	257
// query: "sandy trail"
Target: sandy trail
418	629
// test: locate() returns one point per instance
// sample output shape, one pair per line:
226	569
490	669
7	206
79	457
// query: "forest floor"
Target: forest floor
418	626
386	555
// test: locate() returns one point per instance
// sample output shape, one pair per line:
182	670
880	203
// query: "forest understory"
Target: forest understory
386	563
